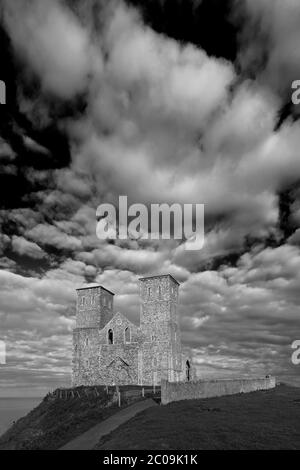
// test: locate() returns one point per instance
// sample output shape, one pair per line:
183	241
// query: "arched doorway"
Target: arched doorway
188	371
110	337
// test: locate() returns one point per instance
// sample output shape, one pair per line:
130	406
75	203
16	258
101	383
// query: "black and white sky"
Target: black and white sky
163	101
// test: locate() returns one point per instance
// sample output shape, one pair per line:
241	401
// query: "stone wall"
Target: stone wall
212	388
85	356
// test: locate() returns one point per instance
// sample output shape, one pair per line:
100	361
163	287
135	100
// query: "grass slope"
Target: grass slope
258	420
55	422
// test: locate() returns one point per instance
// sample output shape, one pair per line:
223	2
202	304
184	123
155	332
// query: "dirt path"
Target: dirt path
90	438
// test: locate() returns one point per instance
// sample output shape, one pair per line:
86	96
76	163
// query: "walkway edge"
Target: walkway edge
90	438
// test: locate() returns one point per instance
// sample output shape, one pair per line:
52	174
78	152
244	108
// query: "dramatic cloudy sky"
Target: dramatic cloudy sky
163	101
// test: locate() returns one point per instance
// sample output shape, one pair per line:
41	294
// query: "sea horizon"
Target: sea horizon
14	408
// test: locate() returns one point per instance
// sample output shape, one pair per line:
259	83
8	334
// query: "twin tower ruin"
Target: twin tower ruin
108	349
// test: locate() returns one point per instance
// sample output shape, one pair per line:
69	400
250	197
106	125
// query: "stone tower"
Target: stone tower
93	311
109	349
160	355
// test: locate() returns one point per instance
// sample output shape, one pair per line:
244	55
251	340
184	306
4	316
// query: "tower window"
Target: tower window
110	337
87	342
127	335
149	291
188	370
159	292
104	301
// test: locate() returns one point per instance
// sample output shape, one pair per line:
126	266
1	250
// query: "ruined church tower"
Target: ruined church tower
160	355
109	349
94	310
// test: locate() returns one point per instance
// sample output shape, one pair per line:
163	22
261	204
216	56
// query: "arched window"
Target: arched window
188	370
149	291
127	334
110	337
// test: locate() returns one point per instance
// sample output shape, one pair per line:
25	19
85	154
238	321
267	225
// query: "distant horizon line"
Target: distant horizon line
21	396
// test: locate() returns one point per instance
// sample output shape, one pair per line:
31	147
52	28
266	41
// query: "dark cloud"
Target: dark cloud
205	23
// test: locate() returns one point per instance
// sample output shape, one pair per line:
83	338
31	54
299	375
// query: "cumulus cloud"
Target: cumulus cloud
50	235
244	318
6	152
7	263
24	247
136	260
164	123
169	77
151	136
4	242
37	320
152	117
270	41
52	41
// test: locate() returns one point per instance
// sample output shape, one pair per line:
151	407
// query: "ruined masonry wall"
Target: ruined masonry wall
212	388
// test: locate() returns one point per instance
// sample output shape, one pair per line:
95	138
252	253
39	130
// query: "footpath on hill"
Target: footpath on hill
260	420
90	438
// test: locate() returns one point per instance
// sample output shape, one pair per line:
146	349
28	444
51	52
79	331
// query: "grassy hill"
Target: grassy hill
56	421
258	420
